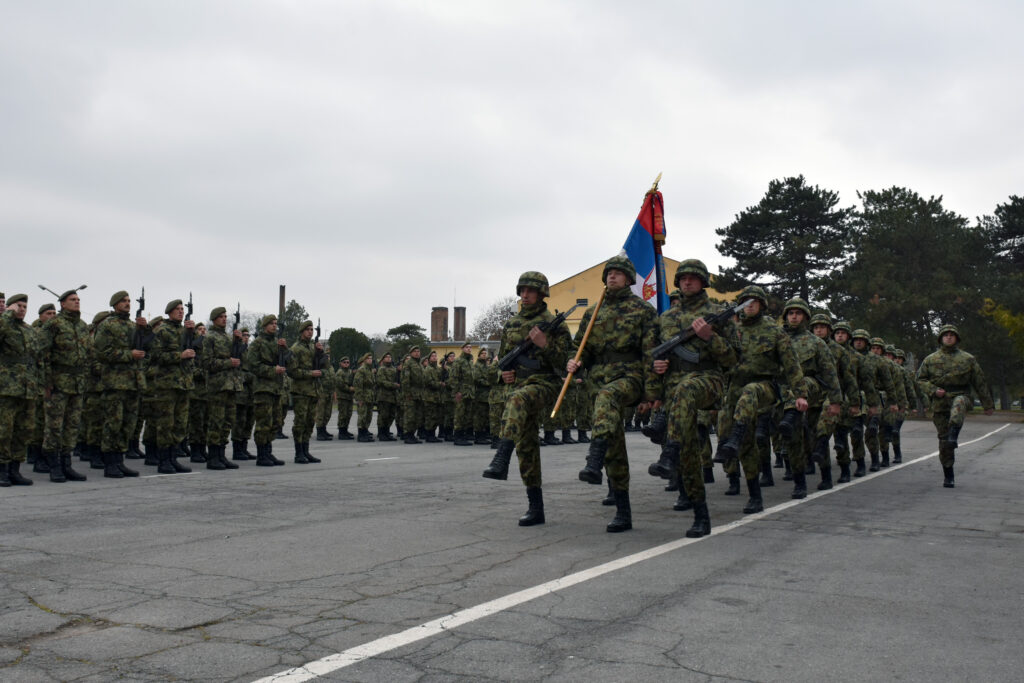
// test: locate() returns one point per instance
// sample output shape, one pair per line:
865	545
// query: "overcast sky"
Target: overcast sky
383	157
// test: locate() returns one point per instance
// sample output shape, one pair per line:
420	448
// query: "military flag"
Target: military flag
643	248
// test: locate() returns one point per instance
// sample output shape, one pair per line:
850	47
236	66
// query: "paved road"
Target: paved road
241	575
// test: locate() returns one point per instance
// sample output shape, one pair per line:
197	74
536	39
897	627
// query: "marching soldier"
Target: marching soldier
882	377
821	326
412	396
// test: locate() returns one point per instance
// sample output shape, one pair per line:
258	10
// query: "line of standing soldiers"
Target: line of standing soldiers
802	383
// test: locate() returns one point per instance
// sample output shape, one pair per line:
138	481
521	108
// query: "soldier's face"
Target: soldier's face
307	333
753	307
890	356
19	309
123	306
222	320
200	330
71	303
877	350
415	354
46	315
689	284
794	316
900	361
820	331
615	279
271	328
177	313
528	295
859	344
841	336
949	339
344	363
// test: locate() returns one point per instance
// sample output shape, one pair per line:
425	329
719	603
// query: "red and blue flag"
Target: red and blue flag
643	248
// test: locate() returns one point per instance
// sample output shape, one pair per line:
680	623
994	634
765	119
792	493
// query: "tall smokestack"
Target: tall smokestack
460	323
439	323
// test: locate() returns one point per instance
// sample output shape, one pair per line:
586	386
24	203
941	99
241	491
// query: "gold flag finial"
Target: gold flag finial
654	187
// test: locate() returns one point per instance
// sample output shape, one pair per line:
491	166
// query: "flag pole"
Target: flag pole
579	352
659	238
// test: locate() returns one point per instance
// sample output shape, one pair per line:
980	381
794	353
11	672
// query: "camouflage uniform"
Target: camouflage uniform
92	402
245	416
344	390
432	397
869	400
956	373
496	402
65	361
413	389
197	405
262	360
325	403
223	382
842	358
879	370
19	386
364	384
481	391
914	395
387	398
306	390
460	377
171	385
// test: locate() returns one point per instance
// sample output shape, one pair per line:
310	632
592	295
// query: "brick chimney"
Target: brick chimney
460	323
439	323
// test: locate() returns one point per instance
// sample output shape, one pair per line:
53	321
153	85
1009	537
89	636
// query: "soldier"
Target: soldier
387	398
432	396
463	386
19	386
364	384
852	424
821	326
172	363
898	396
448	400
92	407
914	395
947	377
481	391
495	404
766	360
119	351
245	418
345	390
618	356
306	390
532	384
197	406
263	361
222	362
882	378
35	444
325	403
412	396
689	386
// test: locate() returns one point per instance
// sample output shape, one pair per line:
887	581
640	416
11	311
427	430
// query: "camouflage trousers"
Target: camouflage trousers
344	413
282	410
267	414
245	418
686	399
705	418
385	415
197	420
365	409
221	411
431	415
324	408
448	413
943	421
120	415
304	418
494	417
743	403
17	420
612	403
38	423
92	418
169	416
524	407
463	414
480	412
144	412
63	419
412	415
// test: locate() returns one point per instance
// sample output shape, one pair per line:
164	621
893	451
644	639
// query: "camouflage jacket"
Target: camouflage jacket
65	352
899	386
261	360
327	379
714	356
879	373
300	369
497	392
955	371
816	361
863	371
766	354
113	344
19	358
432	383
844	368
482	380
364	383
343	386
412	380
168	369
538	366
460	377
244	396
387	383
620	344
910	386
216	360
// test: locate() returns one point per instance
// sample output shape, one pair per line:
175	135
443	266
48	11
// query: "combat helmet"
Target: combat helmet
890	350
754	292
620	262
535	279
948	328
821	319
900	353
692	266
799	304
861	333
842	325
877	341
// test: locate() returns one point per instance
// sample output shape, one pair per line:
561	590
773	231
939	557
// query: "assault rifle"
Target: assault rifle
190	335
511	359
318	354
236	343
138	341
675	344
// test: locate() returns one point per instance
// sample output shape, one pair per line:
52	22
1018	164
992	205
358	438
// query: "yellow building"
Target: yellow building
587	284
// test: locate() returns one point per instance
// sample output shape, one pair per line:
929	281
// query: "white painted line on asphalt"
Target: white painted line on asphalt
379	459
154	476
448	622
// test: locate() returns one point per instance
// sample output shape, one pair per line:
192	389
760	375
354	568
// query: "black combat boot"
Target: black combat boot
280	434
270	451
322	435
591	472
56	472
709	475
364	436
550	439
609	498
198	453
410	438
535	512
701	521
581	436
213	461
897	454
236	451
948	482
885	455
844	474
133	451
345	435
809	467
623	520
152	455
755	502
263	458
860	471
163	459
730	448
110	468
567	437
5	476
385	435
683	501
34	456
69	472
309	456
779	464
788	423
222	455
462	438
483	438
763	429
494	441
826	479
767	476
82	451
734	485
673	482
787	474
667	463
300	455
498	469
14	474
96	459
178	467
819	453
874	463
431	438
657	430
799	485
126	471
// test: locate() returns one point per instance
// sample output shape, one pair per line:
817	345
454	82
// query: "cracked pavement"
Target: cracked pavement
224	576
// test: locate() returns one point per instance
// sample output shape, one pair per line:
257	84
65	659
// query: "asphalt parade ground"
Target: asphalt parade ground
397	563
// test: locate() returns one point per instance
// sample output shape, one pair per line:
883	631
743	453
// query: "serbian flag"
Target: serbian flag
643	248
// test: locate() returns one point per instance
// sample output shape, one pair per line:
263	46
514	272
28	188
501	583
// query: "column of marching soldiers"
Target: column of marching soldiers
184	390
